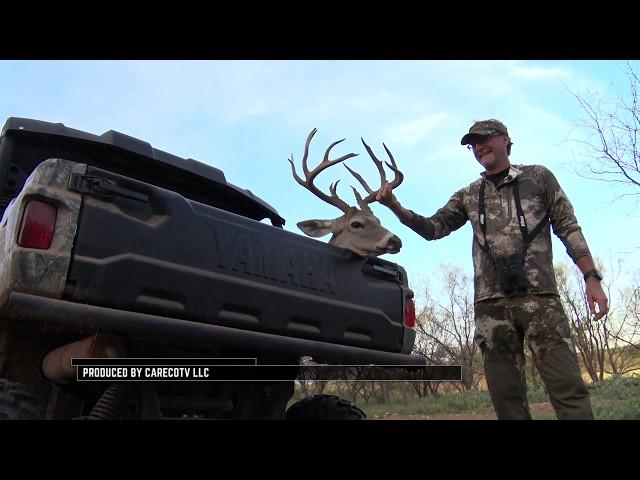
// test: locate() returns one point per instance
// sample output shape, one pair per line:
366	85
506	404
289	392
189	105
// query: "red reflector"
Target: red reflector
410	313
38	225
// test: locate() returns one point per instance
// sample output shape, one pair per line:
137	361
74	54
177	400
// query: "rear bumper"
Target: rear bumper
25	307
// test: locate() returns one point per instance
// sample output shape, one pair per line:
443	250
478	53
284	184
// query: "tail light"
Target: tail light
38	225
409	313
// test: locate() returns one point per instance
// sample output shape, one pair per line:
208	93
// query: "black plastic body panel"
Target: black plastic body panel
176	257
25	143
74	317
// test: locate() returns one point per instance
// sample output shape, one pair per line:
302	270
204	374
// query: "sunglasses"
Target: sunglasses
484	140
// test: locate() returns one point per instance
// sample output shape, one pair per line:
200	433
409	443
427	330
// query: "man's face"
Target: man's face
491	151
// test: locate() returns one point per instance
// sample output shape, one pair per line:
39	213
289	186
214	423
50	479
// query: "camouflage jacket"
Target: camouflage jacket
541	198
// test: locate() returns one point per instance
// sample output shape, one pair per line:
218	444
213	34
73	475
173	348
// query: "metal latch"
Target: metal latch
103	187
380	270
387	271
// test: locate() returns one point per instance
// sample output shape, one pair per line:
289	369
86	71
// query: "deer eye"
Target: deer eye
357	225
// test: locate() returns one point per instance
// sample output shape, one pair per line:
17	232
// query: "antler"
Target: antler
397	180
310	175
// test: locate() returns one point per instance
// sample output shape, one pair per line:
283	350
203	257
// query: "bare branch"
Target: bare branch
616	125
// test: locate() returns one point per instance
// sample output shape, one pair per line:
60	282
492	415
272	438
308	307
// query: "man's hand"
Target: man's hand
387	198
595	294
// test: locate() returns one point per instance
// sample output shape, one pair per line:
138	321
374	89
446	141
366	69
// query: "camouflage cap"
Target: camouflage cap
482	129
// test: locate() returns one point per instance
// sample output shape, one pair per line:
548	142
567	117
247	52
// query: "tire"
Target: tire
324	407
16	403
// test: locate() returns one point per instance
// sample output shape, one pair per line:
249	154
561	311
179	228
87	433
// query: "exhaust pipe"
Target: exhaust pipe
56	364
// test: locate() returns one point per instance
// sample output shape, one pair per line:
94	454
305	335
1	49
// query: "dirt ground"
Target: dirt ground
535	408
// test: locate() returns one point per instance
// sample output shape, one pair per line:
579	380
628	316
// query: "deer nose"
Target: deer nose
394	244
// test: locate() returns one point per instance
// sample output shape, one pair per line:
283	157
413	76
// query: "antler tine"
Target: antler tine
326	160
305	168
295	175
383	177
360	179
397	180
326	163
363	205
310	175
378	163
399	177
334	193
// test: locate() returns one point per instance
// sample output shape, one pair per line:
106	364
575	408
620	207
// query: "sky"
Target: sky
247	117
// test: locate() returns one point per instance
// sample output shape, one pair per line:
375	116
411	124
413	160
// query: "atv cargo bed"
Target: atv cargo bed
174	257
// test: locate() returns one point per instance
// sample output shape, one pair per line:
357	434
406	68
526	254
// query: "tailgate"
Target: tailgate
150	250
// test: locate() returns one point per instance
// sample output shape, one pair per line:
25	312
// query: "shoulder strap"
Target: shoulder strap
522	221
482	218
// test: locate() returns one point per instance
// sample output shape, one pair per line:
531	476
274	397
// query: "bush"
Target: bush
617	388
537	394
626	411
612	399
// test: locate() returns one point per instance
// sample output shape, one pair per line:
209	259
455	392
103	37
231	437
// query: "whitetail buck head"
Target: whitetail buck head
358	230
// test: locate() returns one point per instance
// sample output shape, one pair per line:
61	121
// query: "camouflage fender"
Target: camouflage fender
41	272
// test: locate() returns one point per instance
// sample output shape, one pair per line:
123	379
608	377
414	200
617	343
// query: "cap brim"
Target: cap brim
472	138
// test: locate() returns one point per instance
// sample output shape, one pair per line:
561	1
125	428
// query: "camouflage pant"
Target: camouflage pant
502	325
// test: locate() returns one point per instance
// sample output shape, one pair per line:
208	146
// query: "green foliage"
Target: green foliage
626	411
617	388
617	398
537	394
472	401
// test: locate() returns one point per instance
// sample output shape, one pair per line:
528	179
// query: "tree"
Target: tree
604	345
613	141
633	311
446	328
588	335
428	344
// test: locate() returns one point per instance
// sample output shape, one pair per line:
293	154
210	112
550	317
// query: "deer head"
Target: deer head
358	229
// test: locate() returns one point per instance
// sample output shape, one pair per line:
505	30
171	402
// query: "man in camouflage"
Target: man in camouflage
511	209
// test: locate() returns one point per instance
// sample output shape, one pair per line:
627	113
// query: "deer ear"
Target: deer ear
316	228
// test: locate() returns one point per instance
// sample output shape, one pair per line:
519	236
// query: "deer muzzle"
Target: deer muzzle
389	244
